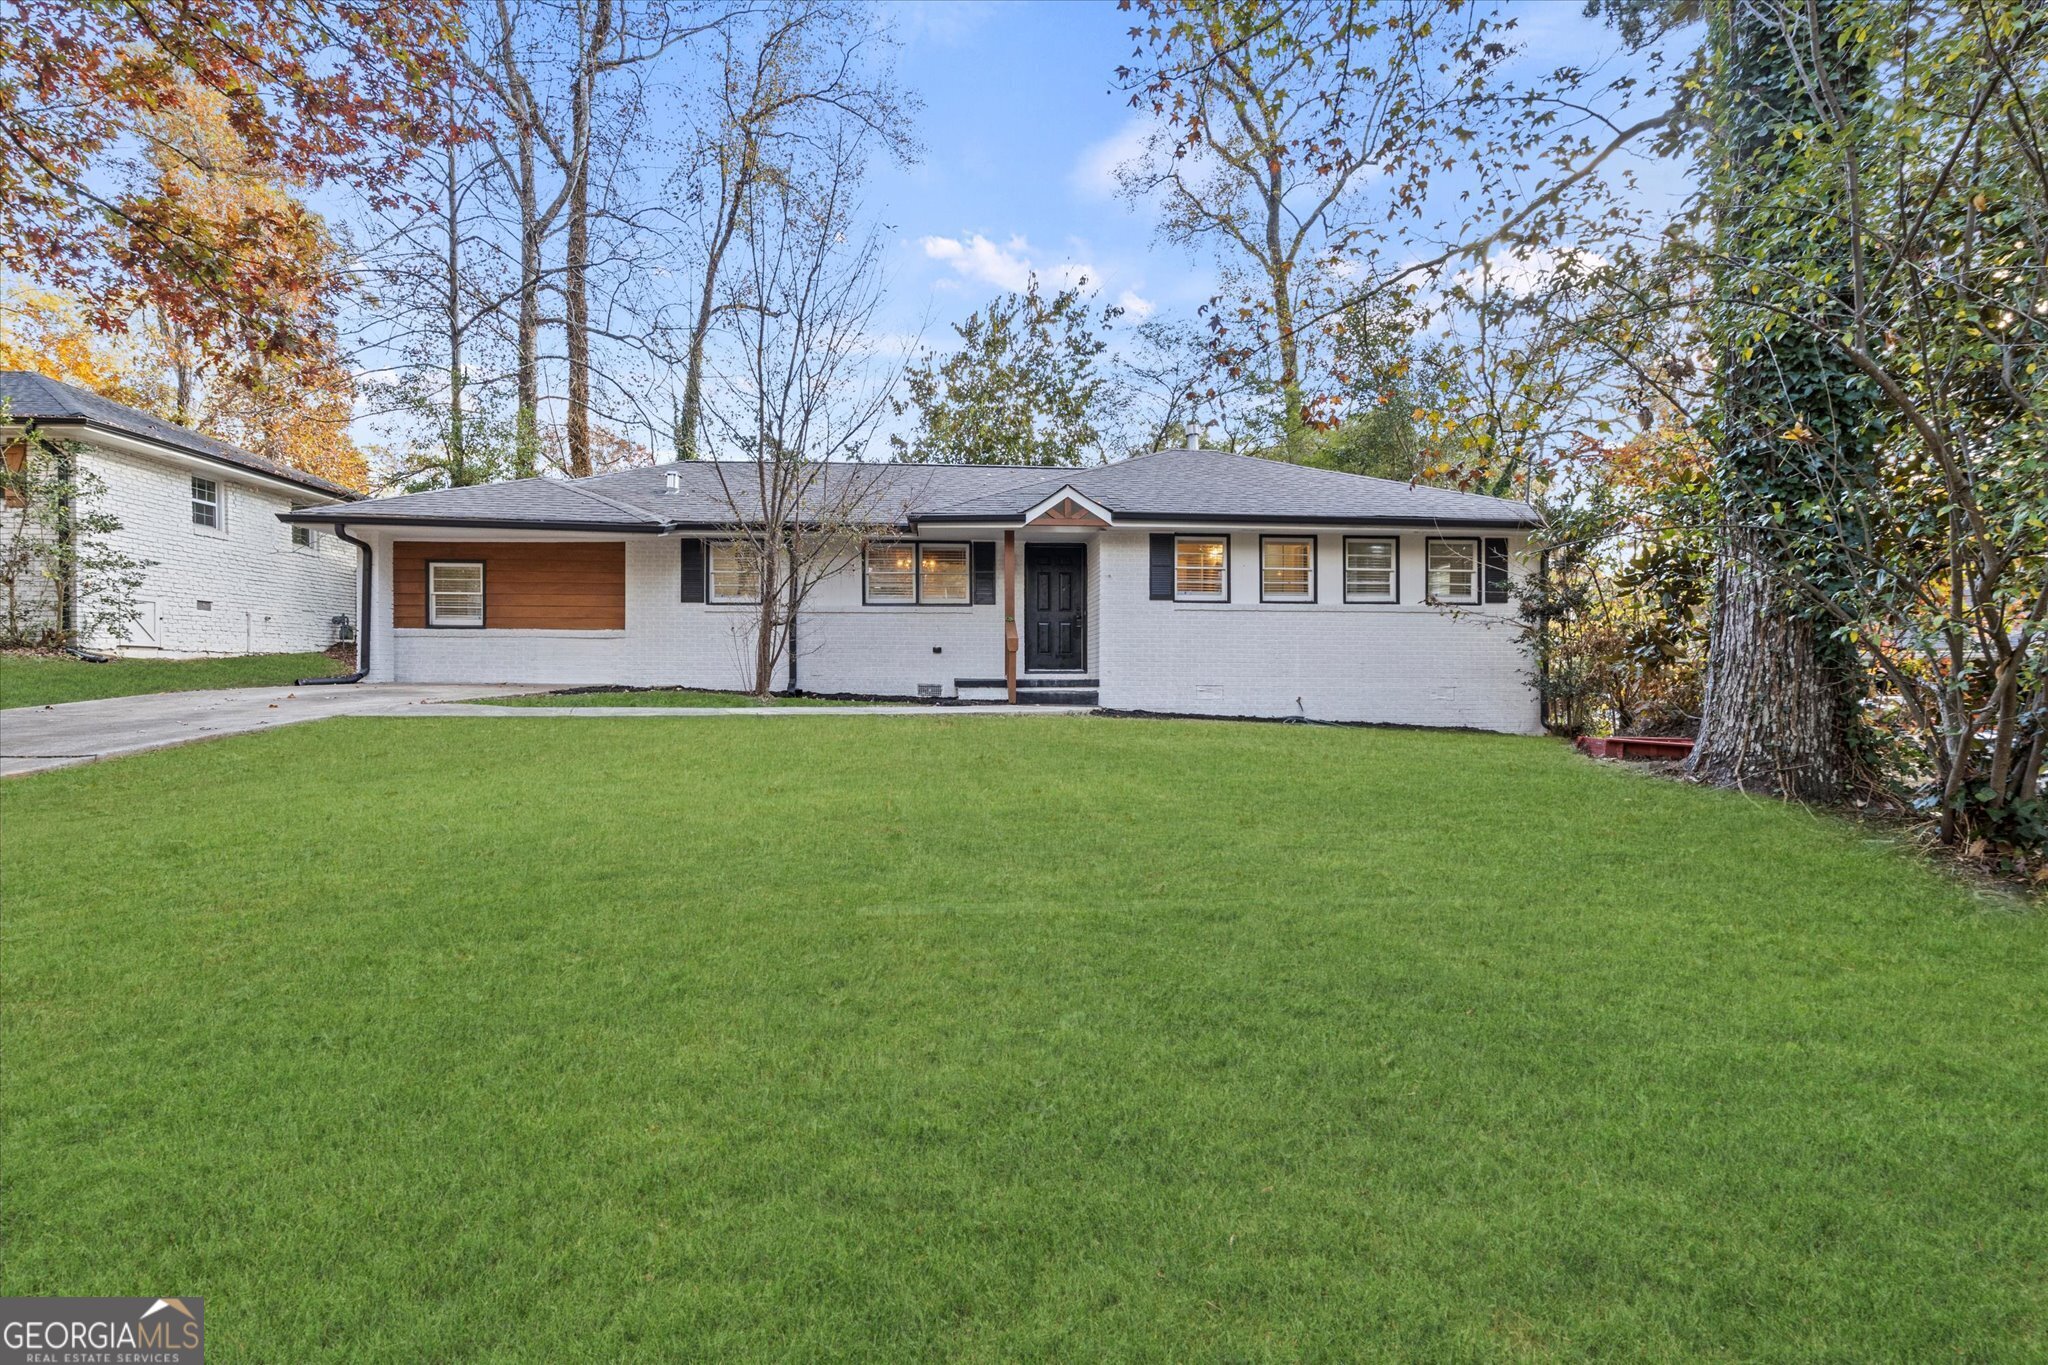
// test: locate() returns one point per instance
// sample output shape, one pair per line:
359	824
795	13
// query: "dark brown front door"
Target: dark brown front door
1056	608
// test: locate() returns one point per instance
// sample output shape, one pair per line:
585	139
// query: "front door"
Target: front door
1056	608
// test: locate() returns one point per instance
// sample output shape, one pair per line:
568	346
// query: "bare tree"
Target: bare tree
797	86
568	84
1287	133
805	399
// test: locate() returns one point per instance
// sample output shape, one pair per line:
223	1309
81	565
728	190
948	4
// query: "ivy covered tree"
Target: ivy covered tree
61	581
1792	416
1026	385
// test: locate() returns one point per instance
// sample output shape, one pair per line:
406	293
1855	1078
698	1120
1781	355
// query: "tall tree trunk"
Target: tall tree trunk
576	268
1772	720
526	431
1779	713
735	190
576	281
458	441
1280	273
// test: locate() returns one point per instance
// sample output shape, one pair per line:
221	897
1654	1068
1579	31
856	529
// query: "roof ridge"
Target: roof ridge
640	513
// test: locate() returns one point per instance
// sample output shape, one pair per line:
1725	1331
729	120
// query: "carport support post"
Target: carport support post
1010	614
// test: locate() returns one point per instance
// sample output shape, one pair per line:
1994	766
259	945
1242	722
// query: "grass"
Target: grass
40	679
678	696
1006	1038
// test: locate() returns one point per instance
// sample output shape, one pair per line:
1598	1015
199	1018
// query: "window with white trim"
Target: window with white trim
892	571
1287	569
302	536
1201	569
942	576
455	594
735	570
206	504
1454	571
1371	573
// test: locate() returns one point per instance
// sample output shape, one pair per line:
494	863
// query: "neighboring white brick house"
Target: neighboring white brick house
224	575
1190	582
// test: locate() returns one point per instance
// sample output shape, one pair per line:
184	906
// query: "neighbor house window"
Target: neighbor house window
735	571
1287	569
1370	570
1201	569
892	571
455	594
942	578
301	535
1454	571
206	503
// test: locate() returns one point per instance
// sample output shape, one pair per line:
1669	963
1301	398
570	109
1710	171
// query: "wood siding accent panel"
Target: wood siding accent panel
528	584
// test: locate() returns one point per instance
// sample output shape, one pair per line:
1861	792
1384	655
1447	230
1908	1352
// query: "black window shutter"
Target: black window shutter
1162	568
1496	570
693	570
984	573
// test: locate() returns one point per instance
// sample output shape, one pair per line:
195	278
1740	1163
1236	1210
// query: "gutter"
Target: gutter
368	560
309	518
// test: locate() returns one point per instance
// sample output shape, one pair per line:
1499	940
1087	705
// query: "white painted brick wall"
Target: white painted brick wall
267	595
1406	664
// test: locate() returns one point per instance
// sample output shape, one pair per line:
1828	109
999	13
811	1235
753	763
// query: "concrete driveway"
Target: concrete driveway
35	738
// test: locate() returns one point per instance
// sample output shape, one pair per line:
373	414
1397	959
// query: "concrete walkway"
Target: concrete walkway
878	709
35	738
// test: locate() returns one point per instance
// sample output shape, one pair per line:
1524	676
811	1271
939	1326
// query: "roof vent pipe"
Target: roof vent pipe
672	482
1194	438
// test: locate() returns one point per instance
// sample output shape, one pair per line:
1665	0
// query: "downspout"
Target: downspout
789	635
67	550
369	571
1543	640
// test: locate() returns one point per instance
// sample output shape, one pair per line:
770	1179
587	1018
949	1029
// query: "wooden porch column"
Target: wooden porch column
1010	613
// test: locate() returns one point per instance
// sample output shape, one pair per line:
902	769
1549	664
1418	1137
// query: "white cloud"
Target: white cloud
1135	305
1094	173
1009	265
941	23
1524	270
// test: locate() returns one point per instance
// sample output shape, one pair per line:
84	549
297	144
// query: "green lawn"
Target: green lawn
680	696
966	1038
39	679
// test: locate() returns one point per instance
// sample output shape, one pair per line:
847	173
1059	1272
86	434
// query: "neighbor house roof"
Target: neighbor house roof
1168	486
54	406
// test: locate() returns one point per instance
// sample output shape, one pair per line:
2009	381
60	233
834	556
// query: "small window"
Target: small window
455	595
942	578
206	503
302	536
1454	571
1287	569
1201	569
892	572
1371	573
735	571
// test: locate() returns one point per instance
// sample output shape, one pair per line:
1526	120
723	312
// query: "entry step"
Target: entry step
1030	691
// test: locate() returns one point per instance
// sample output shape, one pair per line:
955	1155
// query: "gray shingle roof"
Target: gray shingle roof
25	395
1165	486
1213	485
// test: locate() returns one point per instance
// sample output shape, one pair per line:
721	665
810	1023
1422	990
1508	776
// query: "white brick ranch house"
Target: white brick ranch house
223	576
1186	581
